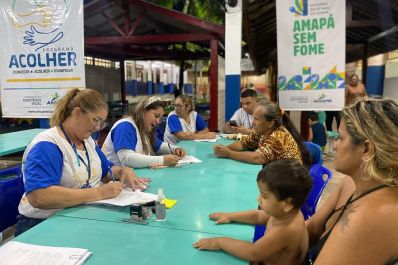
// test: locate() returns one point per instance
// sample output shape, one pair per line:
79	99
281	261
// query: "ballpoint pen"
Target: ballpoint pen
171	151
110	173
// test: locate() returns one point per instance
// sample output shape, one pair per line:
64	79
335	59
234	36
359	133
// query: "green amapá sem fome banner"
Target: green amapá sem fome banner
311	54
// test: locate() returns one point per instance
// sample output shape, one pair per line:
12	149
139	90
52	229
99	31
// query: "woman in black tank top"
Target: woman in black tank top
364	213
314	251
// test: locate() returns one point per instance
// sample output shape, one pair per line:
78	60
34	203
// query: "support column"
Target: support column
134	77
233	38
214	85
176	77
150	83
185	82
365	63
161	78
170	78
375	75
122	81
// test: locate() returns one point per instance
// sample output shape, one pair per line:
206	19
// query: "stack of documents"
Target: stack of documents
16	253
129	197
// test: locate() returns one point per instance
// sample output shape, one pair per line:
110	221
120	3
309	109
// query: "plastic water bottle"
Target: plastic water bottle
160	208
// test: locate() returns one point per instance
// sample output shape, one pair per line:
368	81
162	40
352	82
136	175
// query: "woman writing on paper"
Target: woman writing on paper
132	141
274	138
63	167
184	123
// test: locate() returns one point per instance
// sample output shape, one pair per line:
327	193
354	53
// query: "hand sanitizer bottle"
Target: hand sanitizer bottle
160	208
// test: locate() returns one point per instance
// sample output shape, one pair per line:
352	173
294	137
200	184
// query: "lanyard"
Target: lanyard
79	158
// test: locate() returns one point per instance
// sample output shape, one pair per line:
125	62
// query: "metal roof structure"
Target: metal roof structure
139	30
371	29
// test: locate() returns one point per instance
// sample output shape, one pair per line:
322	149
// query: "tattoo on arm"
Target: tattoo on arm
345	218
392	261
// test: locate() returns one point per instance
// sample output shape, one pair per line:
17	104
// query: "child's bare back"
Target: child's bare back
293	235
283	188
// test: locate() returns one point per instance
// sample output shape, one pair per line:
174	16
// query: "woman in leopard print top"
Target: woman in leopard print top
274	138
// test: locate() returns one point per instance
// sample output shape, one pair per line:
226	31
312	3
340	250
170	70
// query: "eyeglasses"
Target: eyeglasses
100	123
179	106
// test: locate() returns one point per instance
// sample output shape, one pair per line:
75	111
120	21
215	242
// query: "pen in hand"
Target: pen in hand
171	150
110	173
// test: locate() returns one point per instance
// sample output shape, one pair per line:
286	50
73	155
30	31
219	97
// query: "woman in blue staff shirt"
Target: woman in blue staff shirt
63	167
132	141
184	123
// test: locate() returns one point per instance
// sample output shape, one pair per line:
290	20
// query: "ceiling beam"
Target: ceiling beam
96	7
136	23
179	16
148	39
384	33
158	26
126	9
148	54
113	23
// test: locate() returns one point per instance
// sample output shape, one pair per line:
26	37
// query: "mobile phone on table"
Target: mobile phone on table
233	123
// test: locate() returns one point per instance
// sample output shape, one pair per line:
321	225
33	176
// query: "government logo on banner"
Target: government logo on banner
42	54
311	54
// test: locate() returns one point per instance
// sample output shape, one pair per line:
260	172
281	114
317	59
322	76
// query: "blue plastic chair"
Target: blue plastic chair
11	191
320	176
315	152
317	173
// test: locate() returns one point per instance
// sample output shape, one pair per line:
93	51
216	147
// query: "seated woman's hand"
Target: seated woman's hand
180	152
210	135
110	190
170	160
221	151
220	218
130	179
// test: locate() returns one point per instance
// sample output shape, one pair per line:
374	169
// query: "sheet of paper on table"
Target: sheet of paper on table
188	160
128	197
16	253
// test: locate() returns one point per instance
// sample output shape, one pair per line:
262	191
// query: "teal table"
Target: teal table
16	141
214	185
123	244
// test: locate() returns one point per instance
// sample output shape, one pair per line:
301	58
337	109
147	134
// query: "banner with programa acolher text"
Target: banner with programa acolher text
42	54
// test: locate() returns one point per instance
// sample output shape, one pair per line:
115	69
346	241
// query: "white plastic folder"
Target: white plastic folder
16	253
128	197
